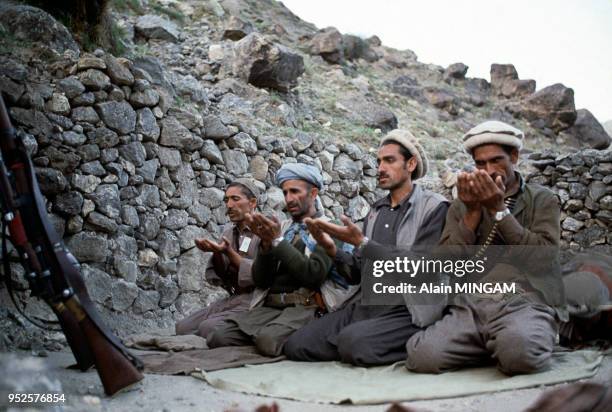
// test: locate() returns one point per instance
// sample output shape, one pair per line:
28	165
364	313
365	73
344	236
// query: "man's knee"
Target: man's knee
518	352
358	347
424	355
269	343
352	348
222	335
296	348
206	327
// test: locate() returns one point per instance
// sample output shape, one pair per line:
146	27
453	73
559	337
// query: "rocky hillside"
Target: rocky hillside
133	152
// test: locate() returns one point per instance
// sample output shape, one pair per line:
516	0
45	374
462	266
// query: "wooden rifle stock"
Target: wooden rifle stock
57	278
76	338
115	370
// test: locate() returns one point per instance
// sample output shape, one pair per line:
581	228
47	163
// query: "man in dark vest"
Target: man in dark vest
409	215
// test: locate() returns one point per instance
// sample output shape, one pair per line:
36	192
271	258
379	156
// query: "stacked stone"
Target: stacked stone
132	180
583	183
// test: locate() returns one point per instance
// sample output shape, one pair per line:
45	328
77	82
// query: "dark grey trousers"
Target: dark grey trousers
357	334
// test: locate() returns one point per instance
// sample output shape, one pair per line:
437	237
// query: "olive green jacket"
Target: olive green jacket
537	210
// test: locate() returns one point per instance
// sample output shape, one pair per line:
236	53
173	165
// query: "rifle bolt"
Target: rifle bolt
66	293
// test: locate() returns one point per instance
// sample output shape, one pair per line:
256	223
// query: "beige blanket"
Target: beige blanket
333	382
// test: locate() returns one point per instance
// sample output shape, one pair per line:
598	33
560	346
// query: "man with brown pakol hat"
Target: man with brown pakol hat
289	271
496	207
230	263
409	215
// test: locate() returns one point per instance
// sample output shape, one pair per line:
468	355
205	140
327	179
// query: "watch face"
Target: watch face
500	215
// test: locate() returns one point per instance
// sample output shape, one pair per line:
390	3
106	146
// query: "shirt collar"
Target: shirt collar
245	231
386	201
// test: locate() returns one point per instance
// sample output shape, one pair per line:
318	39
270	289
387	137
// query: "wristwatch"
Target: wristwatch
363	243
502	214
276	241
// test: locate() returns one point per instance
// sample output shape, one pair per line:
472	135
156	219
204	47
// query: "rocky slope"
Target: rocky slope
133	152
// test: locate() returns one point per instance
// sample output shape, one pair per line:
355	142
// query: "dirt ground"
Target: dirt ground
183	393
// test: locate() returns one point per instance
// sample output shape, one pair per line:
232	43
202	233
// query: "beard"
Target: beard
298	211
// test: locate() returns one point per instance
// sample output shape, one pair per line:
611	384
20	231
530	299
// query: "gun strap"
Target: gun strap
11	292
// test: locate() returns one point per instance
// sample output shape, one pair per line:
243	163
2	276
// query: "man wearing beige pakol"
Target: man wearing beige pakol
230	263
496	207
409	218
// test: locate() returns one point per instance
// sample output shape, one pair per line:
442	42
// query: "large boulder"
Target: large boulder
266	64
328	43
155	27
455	71
551	107
357	48
505	82
370	114
518	88
588	132
500	74
30	24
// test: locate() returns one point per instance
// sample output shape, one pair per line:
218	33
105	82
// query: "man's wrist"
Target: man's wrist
364	241
501	214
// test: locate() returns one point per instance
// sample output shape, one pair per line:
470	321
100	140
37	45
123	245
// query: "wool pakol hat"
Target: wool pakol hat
250	184
407	140
493	132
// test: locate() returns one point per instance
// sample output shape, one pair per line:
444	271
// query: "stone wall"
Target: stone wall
132	177
583	183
